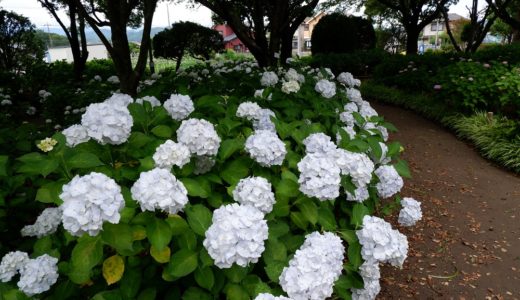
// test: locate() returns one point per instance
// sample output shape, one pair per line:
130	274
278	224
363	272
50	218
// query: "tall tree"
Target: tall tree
509	12
266	27
118	15
75	31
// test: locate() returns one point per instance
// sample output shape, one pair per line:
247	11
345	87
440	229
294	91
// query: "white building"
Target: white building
95	51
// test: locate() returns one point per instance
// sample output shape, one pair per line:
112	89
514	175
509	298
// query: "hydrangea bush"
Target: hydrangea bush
224	181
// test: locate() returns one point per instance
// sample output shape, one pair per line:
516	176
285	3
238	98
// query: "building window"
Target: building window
308	44
306	27
295	44
237	48
437	26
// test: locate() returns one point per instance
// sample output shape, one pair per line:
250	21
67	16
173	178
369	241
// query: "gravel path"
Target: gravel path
468	244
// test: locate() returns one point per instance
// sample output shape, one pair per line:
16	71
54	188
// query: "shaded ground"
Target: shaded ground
468	244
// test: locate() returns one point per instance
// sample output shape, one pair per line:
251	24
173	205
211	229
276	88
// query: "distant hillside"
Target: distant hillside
134	35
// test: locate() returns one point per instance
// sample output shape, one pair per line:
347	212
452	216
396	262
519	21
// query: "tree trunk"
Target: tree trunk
412	37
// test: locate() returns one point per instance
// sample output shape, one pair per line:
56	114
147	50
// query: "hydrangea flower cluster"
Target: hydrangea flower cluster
381	243
314	268
113	79
159	189
171	153
249	110
389	183
179	106
319	143
319	176
236	235
410	213
47	144
326	88
255	191
357	165
46	223
269	79
290	87
119	99
107	123
88	201
266	296
348	80
370	273
75	135
199	136
293	75
36	275
154	102
266	148
203	164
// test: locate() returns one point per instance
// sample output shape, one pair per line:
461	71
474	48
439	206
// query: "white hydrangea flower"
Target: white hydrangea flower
319	143
203	164
249	110
263	122
319	176
326	88
347	79
97	78
171	153
314	268
382	159
31	111
291	75
88	201
371	274
259	93
38	275
154	102
360	194
347	118
351	132
357	165
179	106
351	107
354	95
255	191
75	135
266	296
410	213
199	136
119	99
236	235
380	243
11	264
46	223
269	79
389	183
107	124
159	189
384	132
366	110
289	87
113	79
266	148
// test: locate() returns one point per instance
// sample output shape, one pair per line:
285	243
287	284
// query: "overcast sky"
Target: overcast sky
178	12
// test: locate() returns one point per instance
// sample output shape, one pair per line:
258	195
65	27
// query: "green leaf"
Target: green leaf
162	131
287	188
299	220
194	293
139	114
274	270
354	254
327	219
197	187
83	160
148	294
177	224
199	218
138	140
182	263
3	165
402	168
348	235
236	292
118	236
49	193
37	164
130	283
254	285
236	273
187	240
359	211
274	250
205	278
159	233
87	253
229	147
277	229
108	295
236	170
308	209
375	148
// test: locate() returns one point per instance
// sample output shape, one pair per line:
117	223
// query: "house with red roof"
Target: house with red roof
231	41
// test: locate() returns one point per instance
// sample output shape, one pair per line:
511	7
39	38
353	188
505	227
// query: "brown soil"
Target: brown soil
467	245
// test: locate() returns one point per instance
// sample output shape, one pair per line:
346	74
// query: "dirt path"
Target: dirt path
468	244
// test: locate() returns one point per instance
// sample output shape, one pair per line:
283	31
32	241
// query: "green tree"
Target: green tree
266	27
509	12
20	47
118	15
74	31
52	39
503	30
187	38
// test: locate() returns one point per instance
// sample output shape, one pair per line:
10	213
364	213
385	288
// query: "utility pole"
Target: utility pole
168	14
49	33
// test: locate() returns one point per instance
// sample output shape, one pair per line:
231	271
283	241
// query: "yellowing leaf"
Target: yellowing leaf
113	269
162	256
138	233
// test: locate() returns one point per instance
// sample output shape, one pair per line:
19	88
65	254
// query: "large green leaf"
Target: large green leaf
162	131
49	193
354	254
236	292
199	218
83	160
87	253
159	233
205	278
37	164
287	188
197	187
359	211
182	263
3	165
229	147
236	170
118	236
326	218
402	168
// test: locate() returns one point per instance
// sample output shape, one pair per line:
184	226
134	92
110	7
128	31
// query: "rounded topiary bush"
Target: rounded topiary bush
337	33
